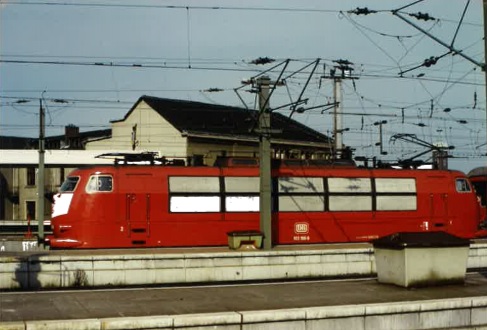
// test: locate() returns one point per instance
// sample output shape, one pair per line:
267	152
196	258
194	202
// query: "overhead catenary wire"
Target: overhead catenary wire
185	67
433	75
139	5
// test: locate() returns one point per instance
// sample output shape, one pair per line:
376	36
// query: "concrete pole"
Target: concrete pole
265	198
40	178
338	126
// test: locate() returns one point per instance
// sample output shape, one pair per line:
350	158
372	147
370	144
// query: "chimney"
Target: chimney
71	131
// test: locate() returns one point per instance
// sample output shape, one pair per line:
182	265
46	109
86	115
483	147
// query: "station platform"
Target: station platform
336	304
67	269
305	287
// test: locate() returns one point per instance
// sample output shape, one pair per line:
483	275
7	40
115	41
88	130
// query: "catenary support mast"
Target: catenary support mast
40	177
265	198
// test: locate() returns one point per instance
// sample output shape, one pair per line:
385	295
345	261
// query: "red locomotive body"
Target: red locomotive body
168	206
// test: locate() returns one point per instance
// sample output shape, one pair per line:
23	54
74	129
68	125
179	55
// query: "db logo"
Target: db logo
301	228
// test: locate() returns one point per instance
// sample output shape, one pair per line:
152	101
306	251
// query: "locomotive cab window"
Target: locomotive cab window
100	183
462	185
69	185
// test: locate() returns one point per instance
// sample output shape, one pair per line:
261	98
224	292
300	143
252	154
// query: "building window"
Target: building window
30	209
31	176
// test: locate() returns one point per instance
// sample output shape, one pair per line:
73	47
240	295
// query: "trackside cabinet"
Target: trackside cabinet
421	259
248	239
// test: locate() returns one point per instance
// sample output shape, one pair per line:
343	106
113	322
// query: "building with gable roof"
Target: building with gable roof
202	132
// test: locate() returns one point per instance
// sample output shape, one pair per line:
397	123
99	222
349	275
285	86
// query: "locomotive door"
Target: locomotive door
137	208
439	210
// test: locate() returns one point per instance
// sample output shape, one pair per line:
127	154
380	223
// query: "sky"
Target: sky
89	61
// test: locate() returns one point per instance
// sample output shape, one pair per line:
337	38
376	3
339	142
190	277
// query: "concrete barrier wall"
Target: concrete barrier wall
50	271
477	256
17	244
460	313
64	271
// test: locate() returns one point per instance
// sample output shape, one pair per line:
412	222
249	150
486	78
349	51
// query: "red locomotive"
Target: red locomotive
123	206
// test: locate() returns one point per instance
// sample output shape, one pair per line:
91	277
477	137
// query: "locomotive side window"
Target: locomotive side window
242	204
194	184
300	185
242	184
69	184
350	194
395	185
242	194
194	194
195	204
462	185
301	203
100	183
298	194
395	194
350	203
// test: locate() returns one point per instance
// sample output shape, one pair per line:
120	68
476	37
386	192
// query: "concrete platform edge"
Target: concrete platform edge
459	313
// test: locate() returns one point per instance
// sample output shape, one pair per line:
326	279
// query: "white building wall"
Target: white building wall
143	130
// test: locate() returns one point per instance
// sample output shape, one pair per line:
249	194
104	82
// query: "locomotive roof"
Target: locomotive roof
198	117
478	171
